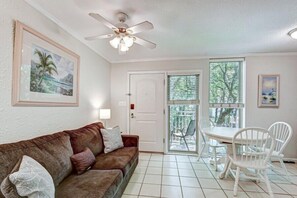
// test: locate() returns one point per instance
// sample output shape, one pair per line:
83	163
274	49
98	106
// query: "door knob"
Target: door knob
132	115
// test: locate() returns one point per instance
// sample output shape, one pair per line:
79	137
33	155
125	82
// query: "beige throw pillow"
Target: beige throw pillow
112	139
33	180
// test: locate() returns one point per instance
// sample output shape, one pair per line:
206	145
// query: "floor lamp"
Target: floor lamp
104	114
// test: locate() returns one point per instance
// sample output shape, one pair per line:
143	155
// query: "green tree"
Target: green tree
45	66
224	88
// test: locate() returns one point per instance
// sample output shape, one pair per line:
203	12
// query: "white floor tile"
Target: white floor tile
151	190
257	195
198	166
192	192
228	184
140	169
204	174
209	183
177	175
290	188
137	178
152	179
170	171
170	180
274	187
154	170
129	196
250	186
282	196
157	158
170	165
143	163
186	172
213	193
184	165
229	194
181	158
171	192
169	158
155	164
132	189
194	159
189	182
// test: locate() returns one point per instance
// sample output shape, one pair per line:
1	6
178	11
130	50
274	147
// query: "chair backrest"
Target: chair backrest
282	132
254	145
191	128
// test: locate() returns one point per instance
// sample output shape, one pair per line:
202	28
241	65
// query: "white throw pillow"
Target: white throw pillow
33	180
112	139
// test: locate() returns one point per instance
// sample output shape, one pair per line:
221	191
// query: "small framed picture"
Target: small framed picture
44	72
268	91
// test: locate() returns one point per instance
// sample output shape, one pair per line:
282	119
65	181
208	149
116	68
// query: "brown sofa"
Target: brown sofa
108	177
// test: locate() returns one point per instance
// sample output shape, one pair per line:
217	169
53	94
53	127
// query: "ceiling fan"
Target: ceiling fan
123	36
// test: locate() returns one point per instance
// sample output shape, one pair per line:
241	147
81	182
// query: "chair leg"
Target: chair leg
215	158
200	154
186	143
236	181
268	184
228	169
284	168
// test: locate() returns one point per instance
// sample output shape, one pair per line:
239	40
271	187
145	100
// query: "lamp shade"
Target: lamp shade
104	114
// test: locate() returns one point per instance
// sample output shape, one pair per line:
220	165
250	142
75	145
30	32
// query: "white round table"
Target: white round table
223	135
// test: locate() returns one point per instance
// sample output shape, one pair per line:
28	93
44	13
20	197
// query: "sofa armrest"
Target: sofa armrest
130	140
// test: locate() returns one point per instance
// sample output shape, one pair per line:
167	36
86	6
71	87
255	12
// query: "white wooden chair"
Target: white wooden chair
209	143
282	132
252	148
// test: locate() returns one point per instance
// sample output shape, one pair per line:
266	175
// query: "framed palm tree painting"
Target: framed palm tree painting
44	72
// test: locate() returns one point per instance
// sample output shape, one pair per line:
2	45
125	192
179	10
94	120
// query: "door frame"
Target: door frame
199	112
128	100
165	123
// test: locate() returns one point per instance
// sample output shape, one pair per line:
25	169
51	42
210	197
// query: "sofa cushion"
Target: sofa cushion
83	161
91	184
87	136
53	152
121	159
112	139
32	179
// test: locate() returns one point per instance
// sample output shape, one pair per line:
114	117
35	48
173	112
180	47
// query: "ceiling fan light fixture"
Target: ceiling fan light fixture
122	46
293	33
128	41
115	42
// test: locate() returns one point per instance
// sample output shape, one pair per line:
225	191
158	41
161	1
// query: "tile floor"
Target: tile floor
177	176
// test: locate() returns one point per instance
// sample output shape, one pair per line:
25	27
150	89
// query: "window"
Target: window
183	108
226	93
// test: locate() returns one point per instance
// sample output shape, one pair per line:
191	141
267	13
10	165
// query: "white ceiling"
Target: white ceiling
183	28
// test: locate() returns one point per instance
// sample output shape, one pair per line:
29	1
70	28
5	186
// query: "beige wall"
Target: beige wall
18	123
285	65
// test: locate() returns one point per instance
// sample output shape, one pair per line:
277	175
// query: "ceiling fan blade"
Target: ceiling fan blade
103	20
140	27
145	43
90	38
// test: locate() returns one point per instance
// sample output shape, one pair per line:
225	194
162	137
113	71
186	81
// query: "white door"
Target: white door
146	110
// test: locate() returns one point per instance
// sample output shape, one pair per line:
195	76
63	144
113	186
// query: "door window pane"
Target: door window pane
183	109
183	87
